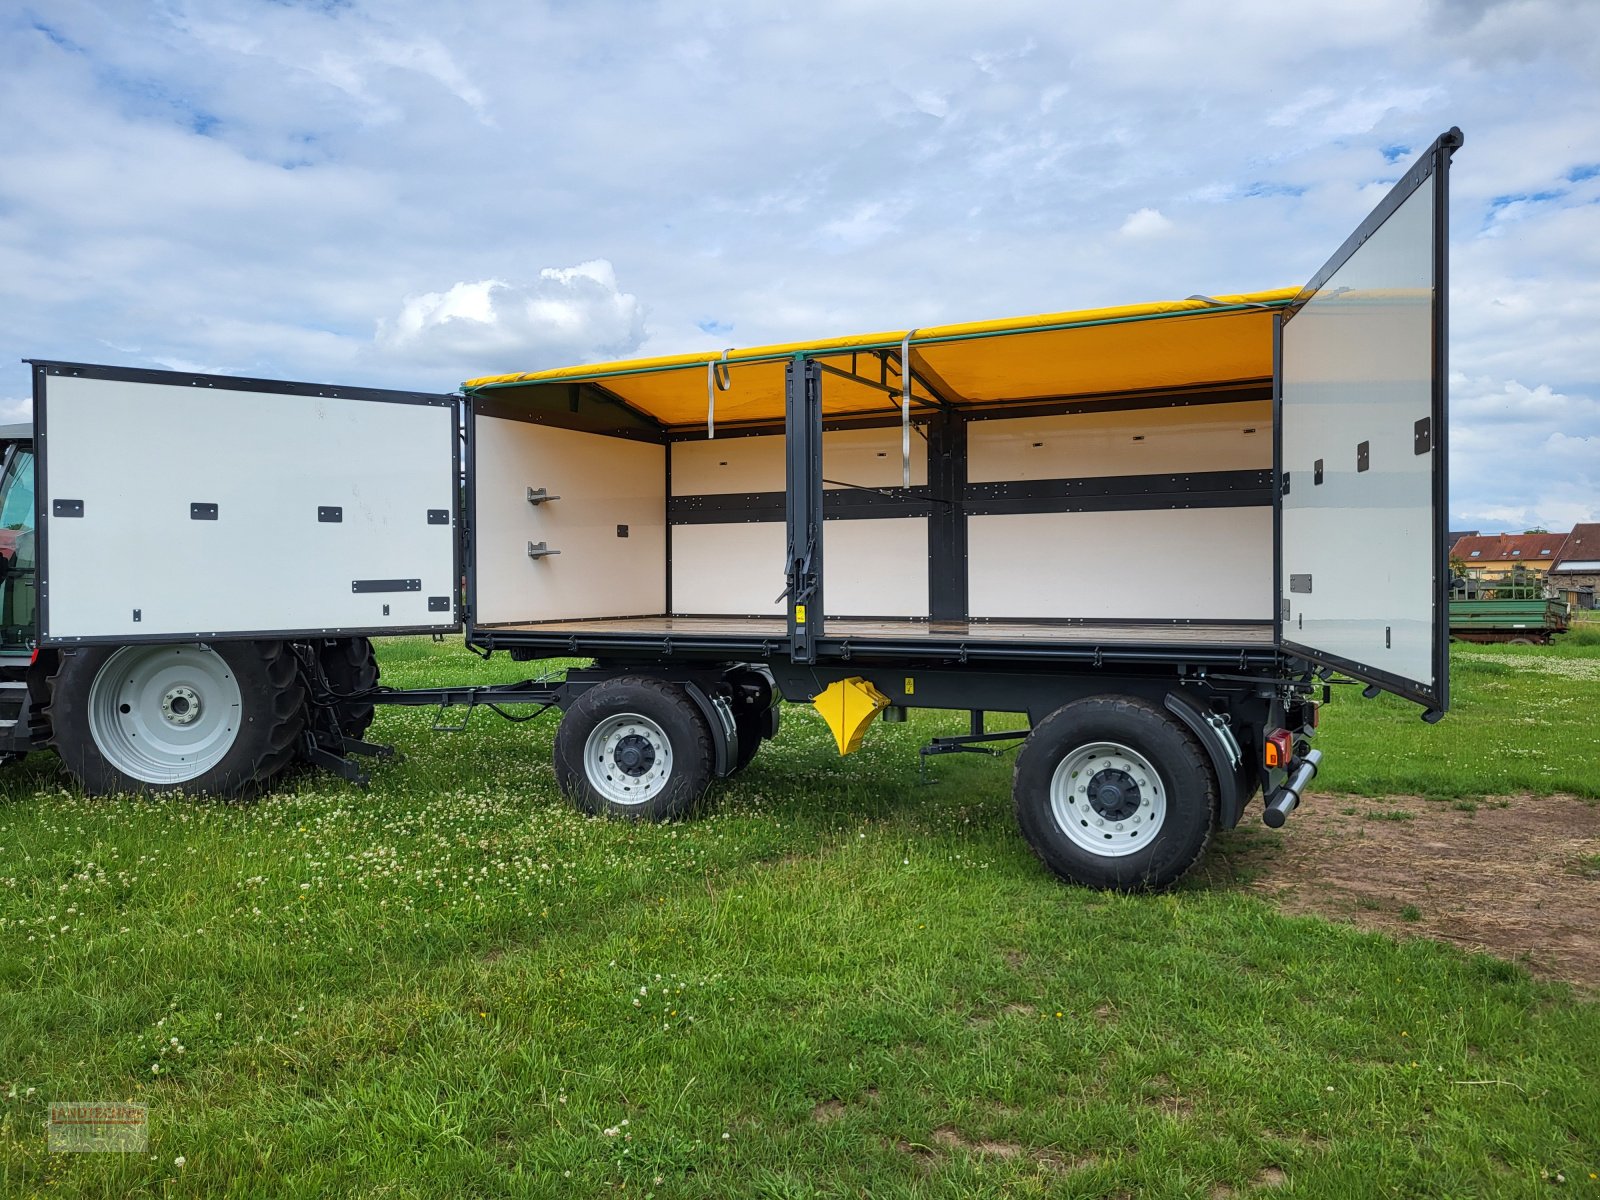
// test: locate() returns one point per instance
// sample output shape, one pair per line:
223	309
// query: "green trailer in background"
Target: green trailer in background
1514	609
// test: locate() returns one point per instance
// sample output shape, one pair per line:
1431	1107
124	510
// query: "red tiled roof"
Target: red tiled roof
1514	547
1582	543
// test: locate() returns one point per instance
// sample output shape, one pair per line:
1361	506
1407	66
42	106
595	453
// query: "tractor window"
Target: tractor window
17	588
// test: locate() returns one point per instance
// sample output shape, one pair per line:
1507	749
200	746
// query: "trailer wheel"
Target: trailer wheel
219	720
634	748
350	666
1112	793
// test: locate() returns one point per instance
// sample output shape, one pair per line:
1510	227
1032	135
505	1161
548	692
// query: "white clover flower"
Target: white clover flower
179	1161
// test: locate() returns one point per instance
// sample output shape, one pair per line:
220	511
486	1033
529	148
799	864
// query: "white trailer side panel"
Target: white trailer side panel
738	465
1211	564
141	561
606	485
728	569
1362	556
1092	445
876	568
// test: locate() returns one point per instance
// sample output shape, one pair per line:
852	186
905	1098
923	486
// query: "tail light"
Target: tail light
1278	749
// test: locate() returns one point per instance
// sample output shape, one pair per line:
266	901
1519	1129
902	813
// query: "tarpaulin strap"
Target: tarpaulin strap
1215	303
718	379
905	407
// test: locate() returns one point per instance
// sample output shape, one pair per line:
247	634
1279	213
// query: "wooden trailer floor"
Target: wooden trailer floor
1092	633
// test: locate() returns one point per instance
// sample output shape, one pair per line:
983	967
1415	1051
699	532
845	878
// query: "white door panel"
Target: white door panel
1362	455
189	508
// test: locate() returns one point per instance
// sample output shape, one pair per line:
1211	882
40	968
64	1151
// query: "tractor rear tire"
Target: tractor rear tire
216	720
350	668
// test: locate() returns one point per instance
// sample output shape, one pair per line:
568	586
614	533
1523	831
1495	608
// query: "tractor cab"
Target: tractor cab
18	590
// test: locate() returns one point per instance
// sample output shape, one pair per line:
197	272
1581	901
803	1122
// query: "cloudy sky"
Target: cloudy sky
407	194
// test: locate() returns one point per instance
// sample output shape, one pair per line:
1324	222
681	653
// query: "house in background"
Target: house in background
1503	553
1575	574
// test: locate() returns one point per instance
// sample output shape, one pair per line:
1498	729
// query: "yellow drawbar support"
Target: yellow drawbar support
848	706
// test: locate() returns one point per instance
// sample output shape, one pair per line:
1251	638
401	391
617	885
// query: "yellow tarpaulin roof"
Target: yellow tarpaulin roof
1103	351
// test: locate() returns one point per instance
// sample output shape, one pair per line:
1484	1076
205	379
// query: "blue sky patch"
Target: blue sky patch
1261	189
712	325
1585	171
58	38
1395	152
1500	202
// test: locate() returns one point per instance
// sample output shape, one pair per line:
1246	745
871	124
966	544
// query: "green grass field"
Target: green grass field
838	982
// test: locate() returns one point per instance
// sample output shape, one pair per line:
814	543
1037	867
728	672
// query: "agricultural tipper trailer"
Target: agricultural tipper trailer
1158	531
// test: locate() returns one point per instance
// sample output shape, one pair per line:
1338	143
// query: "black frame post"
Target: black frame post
947	522
803	505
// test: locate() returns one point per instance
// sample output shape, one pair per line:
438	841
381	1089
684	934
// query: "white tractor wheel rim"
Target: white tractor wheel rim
628	759
1108	799
164	714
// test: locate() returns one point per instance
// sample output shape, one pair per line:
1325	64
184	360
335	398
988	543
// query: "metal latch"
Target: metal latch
540	496
540	550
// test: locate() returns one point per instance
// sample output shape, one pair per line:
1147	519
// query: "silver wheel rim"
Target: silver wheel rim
164	714
1108	799
628	759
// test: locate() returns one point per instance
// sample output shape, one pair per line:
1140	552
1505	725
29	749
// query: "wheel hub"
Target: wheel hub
1108	798
164	714
628	758
635	755
1114	794
181	705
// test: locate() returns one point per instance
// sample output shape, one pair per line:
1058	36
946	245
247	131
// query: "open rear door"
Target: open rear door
1362	375
174	507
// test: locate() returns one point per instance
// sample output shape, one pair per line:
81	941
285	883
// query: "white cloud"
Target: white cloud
1522	456
568	314
1147	222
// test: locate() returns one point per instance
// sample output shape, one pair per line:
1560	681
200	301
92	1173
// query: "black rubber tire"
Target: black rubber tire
1169	747
673	712
273	704
350	666
752	721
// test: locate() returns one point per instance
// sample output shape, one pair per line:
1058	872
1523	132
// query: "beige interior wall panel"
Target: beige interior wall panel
729	570
603	482
876	568
873	568
1185	563
1201	437
735	465
871	458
